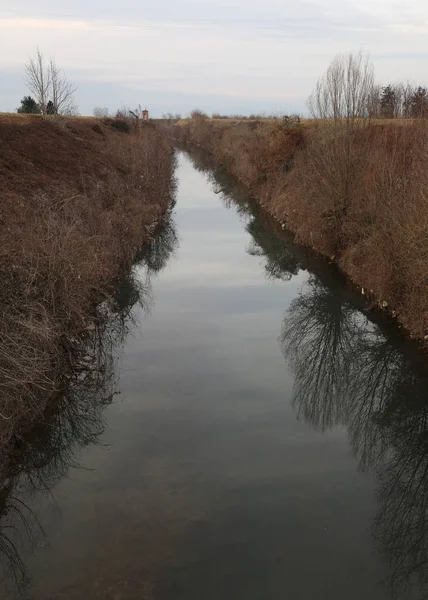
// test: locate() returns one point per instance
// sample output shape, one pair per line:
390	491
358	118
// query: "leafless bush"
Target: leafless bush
124	112
101	112
388	223
291	120
129	116
198	114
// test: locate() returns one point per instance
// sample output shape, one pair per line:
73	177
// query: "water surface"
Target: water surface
267	440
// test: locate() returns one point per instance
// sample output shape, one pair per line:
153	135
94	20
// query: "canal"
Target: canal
240	429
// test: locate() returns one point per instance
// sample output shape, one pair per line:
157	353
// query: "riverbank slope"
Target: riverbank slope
79	197
354	192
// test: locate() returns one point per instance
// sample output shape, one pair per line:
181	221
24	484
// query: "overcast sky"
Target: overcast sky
219	55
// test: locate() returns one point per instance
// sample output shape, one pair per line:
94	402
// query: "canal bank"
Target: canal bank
79	198
352	191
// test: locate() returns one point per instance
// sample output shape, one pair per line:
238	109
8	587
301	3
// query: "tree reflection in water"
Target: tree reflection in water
347	372
75	419
358	373
317	336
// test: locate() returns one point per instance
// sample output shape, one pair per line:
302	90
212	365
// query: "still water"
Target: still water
239	430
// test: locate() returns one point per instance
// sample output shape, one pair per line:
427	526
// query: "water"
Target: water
268	440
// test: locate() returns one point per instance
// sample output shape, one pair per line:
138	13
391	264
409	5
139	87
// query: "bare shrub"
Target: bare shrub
388	224
198	114
101	111
120	124
291	120
122	113
328	174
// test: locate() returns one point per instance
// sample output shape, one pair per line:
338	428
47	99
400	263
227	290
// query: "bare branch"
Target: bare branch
62	90
37	77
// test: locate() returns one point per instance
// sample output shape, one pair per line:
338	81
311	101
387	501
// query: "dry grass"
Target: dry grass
309	122
78	201
357	194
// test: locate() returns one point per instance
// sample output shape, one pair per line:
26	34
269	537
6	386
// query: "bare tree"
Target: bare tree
37	77
72	110
343	91
408	92
398	106
62	90
48	83
373	102
101	111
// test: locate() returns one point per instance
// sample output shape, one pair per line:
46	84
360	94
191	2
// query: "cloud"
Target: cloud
243	52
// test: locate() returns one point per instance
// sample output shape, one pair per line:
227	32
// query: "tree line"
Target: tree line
348	90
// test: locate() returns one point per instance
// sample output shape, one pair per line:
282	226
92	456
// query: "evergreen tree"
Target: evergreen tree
29	106
388	102
50	108
419	103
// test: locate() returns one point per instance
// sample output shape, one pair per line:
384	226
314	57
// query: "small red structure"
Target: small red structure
145	115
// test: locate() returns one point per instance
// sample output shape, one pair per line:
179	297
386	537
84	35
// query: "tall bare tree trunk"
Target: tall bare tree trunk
38	79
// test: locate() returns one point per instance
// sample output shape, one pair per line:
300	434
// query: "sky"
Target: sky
228	56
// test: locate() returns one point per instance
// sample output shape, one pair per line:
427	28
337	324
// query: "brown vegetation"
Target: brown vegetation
356	193
78	199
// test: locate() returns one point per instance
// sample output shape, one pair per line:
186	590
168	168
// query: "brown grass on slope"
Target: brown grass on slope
77	202
355	193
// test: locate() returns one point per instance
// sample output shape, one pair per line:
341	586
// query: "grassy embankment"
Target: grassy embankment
356	193
78	200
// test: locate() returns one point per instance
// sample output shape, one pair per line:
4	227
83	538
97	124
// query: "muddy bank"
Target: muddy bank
355	194
79	200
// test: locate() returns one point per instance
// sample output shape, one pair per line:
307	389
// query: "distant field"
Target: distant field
232	121
305	122
24	118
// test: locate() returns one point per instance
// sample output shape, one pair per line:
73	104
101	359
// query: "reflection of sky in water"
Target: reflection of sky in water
208	486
